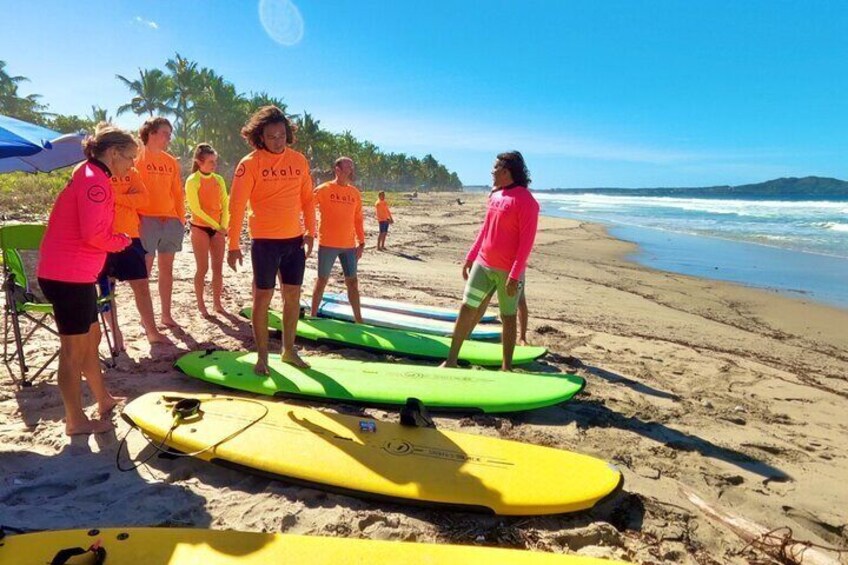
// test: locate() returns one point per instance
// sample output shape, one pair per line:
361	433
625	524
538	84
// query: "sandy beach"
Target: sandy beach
736	394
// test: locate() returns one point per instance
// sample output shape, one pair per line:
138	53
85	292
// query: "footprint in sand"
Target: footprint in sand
36	494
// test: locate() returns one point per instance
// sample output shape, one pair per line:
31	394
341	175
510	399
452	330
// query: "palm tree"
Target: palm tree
153	92
259	99
186	82
99	114
22	107
309	139
221	112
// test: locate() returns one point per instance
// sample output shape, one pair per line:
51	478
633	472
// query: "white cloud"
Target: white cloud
149	23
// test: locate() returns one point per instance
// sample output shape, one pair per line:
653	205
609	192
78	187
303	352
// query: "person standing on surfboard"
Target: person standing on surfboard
276	181
498	257
384	218
341	233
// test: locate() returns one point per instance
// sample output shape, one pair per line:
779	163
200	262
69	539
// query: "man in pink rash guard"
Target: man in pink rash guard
498	258
78	237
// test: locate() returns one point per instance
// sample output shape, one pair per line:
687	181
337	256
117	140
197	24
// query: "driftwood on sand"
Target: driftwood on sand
780	547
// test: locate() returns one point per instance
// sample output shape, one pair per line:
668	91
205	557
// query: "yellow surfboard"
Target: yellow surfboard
183	546
361	456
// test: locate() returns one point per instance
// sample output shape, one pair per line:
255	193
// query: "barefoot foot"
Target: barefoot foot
105	408
261	368
292	358
86	427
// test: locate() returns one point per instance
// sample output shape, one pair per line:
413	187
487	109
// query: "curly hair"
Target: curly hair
514	163
152	125
264	116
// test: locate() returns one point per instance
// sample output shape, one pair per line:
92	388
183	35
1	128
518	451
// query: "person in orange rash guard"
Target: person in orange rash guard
208	201
275	180
341	233
384	218
163	218
129	265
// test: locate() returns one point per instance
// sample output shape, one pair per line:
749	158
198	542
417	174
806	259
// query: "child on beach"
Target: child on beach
208	203
384	218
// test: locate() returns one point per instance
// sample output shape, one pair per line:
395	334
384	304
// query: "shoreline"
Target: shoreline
736	393
655	251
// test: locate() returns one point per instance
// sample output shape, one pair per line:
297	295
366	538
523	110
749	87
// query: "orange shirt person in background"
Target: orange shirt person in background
130	264
384	218
275	180
208	201
341	226
163	218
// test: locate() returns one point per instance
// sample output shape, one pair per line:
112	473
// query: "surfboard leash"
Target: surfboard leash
184	409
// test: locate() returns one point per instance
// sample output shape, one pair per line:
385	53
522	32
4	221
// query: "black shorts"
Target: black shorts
127	265
74	305
272	256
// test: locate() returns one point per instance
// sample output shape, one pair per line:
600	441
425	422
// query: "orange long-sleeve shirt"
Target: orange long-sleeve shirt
130	195
382	209
160	173
340	208
278	187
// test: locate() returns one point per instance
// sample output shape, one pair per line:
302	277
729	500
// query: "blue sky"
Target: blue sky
594	93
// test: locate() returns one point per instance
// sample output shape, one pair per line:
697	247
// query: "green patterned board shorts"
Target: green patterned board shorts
483	280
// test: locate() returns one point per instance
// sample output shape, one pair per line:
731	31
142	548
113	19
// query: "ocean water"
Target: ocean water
795	247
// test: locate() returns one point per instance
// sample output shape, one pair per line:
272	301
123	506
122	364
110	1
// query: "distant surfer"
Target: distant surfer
276	181
208	202
341	233
384	218
498	257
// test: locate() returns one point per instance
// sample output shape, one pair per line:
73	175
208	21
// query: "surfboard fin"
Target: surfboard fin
415	415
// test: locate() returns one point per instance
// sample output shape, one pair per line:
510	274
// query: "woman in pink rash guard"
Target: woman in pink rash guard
78	236
497	260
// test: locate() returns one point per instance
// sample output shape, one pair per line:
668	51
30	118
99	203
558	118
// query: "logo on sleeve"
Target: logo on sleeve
240	170
97	194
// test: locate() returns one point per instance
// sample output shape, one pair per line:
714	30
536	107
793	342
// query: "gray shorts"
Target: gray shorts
163	235
482	281
327	258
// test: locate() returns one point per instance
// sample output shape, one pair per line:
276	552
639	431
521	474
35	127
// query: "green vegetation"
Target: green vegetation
27	197
205	107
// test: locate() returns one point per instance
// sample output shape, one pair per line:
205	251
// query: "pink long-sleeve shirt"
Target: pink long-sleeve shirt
79	231
508	232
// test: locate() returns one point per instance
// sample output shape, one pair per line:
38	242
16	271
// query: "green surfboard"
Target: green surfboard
368	382
400	342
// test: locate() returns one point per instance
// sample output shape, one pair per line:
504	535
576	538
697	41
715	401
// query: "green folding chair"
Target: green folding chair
24	311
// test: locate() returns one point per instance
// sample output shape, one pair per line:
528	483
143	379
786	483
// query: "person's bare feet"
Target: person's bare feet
105	408
86	427
522	342
203	311
219	308
169	322
446	365
158	337
292	358
261	368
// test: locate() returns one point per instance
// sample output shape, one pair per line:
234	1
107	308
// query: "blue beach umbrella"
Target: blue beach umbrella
31	148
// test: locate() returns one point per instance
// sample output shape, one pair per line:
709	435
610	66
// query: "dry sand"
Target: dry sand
736	393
